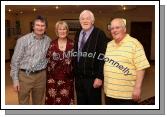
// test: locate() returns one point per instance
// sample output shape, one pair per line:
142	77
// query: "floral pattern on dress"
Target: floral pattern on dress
52	92
51	81
60	82
58	100
64	92
68	61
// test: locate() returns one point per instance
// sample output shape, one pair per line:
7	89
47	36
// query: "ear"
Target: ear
125	30
33	27
93	22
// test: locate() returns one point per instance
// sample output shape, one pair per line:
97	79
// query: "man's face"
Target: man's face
39	27
117	30
86	21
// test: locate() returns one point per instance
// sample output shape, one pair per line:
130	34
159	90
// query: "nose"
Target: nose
113	30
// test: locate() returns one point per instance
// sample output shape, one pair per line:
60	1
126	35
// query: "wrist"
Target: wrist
15	82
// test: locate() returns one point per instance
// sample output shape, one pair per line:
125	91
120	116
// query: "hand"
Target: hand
97	83
136	95
16	86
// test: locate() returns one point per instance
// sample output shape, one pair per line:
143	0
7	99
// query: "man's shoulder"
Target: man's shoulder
98	29
134	40
47	38
110	42
27	35
24	37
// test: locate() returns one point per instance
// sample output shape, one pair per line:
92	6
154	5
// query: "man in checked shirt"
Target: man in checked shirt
29	62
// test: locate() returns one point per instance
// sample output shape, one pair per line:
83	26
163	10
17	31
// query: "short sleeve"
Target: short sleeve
140	59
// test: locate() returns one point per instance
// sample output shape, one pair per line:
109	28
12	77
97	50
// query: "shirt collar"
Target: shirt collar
122	41
88	31
42	37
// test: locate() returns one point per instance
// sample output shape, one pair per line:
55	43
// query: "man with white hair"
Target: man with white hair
125	67
89	70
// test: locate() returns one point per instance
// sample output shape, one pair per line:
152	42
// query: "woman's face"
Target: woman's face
62	31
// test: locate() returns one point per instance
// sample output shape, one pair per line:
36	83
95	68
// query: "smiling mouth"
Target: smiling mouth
116	34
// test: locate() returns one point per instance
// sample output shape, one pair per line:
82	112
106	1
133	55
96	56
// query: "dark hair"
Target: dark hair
42	19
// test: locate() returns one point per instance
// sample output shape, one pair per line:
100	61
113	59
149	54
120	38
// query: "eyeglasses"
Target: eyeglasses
117	27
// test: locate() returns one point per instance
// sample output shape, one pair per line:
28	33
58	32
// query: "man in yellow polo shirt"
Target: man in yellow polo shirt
125	64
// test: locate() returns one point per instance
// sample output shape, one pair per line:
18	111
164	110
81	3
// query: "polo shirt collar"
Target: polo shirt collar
122	41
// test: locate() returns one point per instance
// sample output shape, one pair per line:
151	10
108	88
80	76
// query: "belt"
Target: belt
32	72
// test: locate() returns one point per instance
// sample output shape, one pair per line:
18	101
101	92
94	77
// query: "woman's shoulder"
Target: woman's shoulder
54	41
70	42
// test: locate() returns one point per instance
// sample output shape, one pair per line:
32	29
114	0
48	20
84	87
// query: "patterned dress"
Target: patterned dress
60	81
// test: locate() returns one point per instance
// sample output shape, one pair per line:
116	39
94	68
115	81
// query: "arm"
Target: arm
101	48
75	58
17	56
141	63
136	95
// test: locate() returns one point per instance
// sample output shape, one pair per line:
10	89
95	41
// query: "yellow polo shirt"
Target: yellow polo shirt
121	63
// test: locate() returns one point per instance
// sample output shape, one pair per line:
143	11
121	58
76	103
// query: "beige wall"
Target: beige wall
10	41
101	20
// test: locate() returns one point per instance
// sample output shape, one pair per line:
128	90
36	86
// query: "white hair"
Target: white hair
124	22
89	12
121	20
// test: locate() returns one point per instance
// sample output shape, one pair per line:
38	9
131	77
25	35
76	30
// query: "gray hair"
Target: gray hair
90	13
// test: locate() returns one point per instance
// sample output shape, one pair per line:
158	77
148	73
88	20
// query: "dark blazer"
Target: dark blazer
91	67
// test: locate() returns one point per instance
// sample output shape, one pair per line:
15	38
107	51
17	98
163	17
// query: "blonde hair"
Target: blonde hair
90	13
62	23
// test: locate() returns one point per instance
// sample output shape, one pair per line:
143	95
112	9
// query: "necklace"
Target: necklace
62	44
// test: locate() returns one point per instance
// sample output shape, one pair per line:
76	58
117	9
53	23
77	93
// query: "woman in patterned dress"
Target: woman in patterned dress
60	81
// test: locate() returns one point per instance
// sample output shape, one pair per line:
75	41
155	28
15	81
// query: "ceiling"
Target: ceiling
23	9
